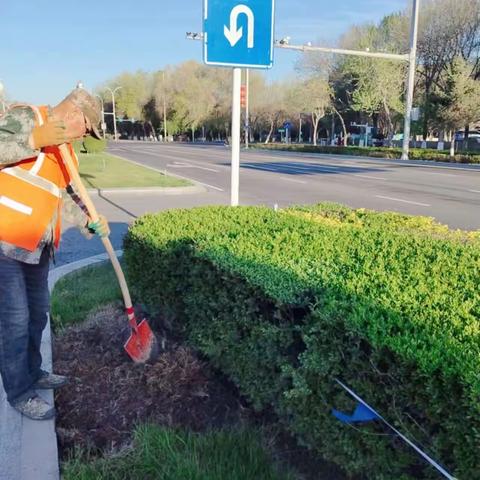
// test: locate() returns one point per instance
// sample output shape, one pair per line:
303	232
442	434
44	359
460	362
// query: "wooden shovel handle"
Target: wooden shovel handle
92	211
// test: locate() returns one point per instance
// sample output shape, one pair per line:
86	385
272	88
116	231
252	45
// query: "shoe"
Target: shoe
49	380
35	408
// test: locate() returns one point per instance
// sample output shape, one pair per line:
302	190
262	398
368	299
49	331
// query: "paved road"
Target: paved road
449	193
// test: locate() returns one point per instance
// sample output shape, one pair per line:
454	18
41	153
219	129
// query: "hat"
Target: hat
90	108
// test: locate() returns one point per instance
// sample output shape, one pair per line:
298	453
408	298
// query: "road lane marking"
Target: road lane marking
189	165
162	156
164	172
293	180
403	201
368	177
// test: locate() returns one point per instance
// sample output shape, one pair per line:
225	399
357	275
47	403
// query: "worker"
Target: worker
35	189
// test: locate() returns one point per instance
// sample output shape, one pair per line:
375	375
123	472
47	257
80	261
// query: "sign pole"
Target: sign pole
247	108
236	121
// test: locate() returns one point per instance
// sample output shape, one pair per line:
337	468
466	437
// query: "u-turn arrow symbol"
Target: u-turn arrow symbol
233	33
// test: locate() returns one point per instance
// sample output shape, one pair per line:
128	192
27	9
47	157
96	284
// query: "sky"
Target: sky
47	46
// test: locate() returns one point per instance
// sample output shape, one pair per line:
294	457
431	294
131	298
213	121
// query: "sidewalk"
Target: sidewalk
28	449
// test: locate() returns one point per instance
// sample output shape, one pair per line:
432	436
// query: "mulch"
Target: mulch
109	395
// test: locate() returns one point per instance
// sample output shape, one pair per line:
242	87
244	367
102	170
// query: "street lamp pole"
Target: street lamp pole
411	79
103	115
114	111
165	131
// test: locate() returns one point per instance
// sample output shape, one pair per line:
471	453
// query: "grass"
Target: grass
102	170
165	454
82	292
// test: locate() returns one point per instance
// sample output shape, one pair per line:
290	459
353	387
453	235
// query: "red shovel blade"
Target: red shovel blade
140	345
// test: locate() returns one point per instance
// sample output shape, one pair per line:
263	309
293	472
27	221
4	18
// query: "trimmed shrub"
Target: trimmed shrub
285	303
93	145
378	152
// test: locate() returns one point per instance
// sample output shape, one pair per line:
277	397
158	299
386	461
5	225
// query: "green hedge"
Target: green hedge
378	152
284	303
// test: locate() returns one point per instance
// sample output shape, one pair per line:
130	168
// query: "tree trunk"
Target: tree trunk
466	137
426	111
193	134
272	126
390	123
344	127
315	130
452	146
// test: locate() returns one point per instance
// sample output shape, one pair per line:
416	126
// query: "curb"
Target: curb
28	449
149	190
57	273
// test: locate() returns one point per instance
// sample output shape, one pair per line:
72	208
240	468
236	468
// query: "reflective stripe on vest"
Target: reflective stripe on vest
30	195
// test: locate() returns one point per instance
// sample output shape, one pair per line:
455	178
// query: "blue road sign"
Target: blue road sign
239	33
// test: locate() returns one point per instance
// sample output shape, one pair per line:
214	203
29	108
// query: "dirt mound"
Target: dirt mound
108	394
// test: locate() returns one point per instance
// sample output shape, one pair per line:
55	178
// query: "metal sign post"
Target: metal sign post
240	35
236	119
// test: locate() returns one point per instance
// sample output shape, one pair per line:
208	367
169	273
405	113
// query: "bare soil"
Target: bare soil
109	395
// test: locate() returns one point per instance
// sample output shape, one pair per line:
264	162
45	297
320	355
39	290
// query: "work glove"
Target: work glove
100	227
52	132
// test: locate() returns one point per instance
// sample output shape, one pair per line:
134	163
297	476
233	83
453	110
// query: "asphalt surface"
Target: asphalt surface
450	193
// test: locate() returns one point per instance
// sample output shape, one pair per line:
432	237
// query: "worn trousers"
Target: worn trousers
24	310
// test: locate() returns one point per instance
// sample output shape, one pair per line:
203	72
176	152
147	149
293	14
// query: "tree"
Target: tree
377	85
448	30
316	95
193	97
460	100
135	93
271	107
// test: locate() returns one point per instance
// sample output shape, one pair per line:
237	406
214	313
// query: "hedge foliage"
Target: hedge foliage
378	152
285	303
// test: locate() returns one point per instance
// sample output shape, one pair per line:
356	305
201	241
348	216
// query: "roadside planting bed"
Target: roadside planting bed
377	152
109	395
284	303
173	418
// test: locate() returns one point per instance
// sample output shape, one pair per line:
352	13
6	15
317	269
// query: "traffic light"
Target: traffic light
243	96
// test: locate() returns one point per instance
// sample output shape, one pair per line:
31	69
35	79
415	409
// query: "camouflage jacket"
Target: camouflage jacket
15	128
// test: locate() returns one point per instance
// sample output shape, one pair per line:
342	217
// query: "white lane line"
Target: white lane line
293	180
403	201
204	184
163	171
171	157
188	165
369	177
443	174
474	191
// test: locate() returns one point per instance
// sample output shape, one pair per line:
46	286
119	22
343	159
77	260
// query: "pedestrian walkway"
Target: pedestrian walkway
28	449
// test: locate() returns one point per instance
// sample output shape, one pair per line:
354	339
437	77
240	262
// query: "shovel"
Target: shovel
142	344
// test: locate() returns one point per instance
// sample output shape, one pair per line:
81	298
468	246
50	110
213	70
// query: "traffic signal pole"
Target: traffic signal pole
411	80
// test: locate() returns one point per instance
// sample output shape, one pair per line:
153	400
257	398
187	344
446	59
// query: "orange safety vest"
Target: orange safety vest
31	193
